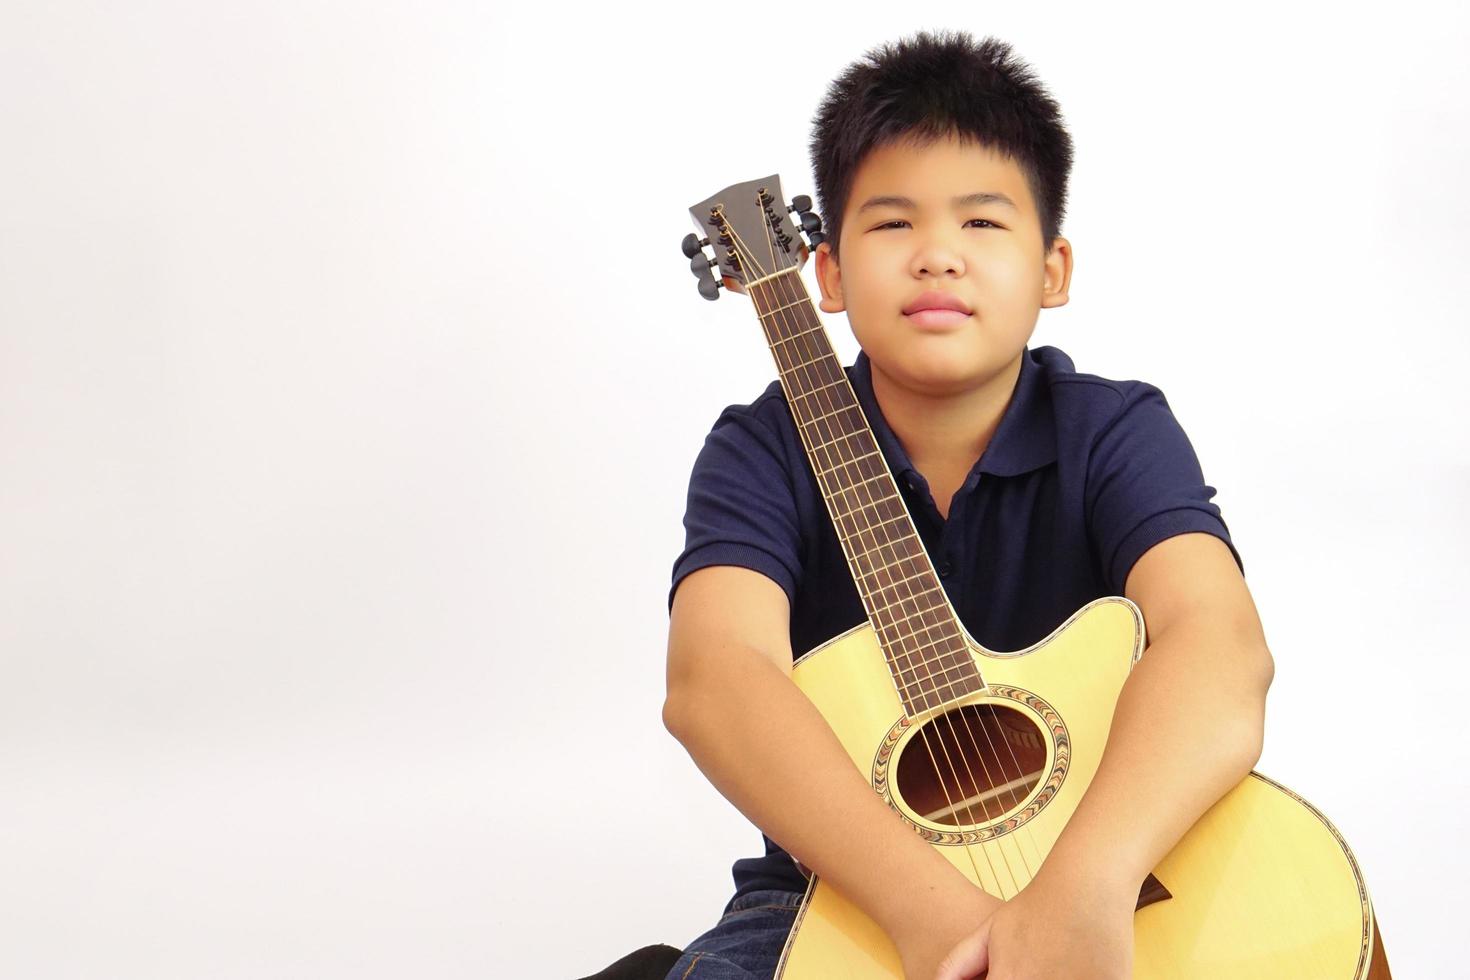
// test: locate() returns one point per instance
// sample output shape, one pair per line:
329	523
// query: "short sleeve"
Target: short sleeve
741	508
1144	484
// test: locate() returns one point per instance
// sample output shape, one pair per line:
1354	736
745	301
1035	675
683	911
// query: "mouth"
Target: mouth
936	310
936	319
932	319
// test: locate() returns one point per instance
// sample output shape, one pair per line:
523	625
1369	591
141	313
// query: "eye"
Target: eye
899	221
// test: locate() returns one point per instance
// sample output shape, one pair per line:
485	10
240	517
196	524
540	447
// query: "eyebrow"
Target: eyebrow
964	200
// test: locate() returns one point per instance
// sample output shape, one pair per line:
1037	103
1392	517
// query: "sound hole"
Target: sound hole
971	765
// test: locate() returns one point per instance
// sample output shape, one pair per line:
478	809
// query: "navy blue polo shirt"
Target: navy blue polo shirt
1082	476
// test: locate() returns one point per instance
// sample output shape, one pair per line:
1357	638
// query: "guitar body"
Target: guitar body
1261	886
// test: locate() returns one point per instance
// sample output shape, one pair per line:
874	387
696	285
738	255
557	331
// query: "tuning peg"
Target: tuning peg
692	243
810	222
816	238
800	203
709	288
700	264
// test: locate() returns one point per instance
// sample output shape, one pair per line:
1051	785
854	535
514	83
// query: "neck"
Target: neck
947	432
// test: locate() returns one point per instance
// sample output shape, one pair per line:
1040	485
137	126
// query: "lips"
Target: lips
936	300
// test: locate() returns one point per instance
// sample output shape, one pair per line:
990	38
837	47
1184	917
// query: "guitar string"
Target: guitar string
740	245
787	301
1010	785
948	716
999	728
1020	771
924	731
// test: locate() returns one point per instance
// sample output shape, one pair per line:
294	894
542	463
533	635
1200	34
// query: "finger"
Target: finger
969	958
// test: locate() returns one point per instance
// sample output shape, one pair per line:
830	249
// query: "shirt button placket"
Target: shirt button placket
948	549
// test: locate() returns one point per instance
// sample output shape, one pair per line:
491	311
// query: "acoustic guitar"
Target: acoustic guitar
986	754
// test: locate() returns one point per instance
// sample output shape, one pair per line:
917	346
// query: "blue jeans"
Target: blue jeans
746	943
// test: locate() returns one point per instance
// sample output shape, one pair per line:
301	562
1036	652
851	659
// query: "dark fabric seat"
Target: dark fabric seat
648	963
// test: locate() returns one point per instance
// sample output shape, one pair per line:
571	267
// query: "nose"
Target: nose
936	255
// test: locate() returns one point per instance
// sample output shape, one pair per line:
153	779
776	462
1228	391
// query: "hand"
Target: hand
935	926
1051	930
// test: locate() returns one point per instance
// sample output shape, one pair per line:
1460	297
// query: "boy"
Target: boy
941	169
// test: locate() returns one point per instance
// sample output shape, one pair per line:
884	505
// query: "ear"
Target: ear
829	280
1056	274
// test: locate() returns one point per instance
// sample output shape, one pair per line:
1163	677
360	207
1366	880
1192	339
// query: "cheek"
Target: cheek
866	288
1012	274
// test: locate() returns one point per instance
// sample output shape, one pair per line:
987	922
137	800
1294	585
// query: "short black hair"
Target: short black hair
930	86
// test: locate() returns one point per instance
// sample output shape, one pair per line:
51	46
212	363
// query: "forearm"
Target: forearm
765	746
1187	728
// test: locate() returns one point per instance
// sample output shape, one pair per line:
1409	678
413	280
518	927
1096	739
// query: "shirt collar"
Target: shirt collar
1025	440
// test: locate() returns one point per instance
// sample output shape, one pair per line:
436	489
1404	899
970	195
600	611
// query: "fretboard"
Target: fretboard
905	602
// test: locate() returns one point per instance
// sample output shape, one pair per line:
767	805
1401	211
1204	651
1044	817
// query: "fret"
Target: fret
823	370
910	566
928	593
911	547
873	565
931	619
902	538
853	509
871	527
796	336
939	628
852	485
913	592
918	686
894	564
960	654
952	660
830	384
895	628
952	685
923	571
860	560
845	457
860	473
828	445
845	408
848	463
828	448
954	678
901	624
812	340
824	456
879	517
852	472
785	307
798	367
965	666
863	545
840	495
933	590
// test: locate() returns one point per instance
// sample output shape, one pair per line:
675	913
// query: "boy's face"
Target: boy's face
989	256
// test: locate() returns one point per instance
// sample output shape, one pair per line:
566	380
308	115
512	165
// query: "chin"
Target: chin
945	377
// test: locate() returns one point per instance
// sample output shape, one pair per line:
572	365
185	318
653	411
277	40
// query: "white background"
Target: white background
350	378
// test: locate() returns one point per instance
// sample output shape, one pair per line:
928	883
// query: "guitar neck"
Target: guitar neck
900	590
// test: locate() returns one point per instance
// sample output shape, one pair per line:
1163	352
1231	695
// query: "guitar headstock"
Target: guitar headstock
752	233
